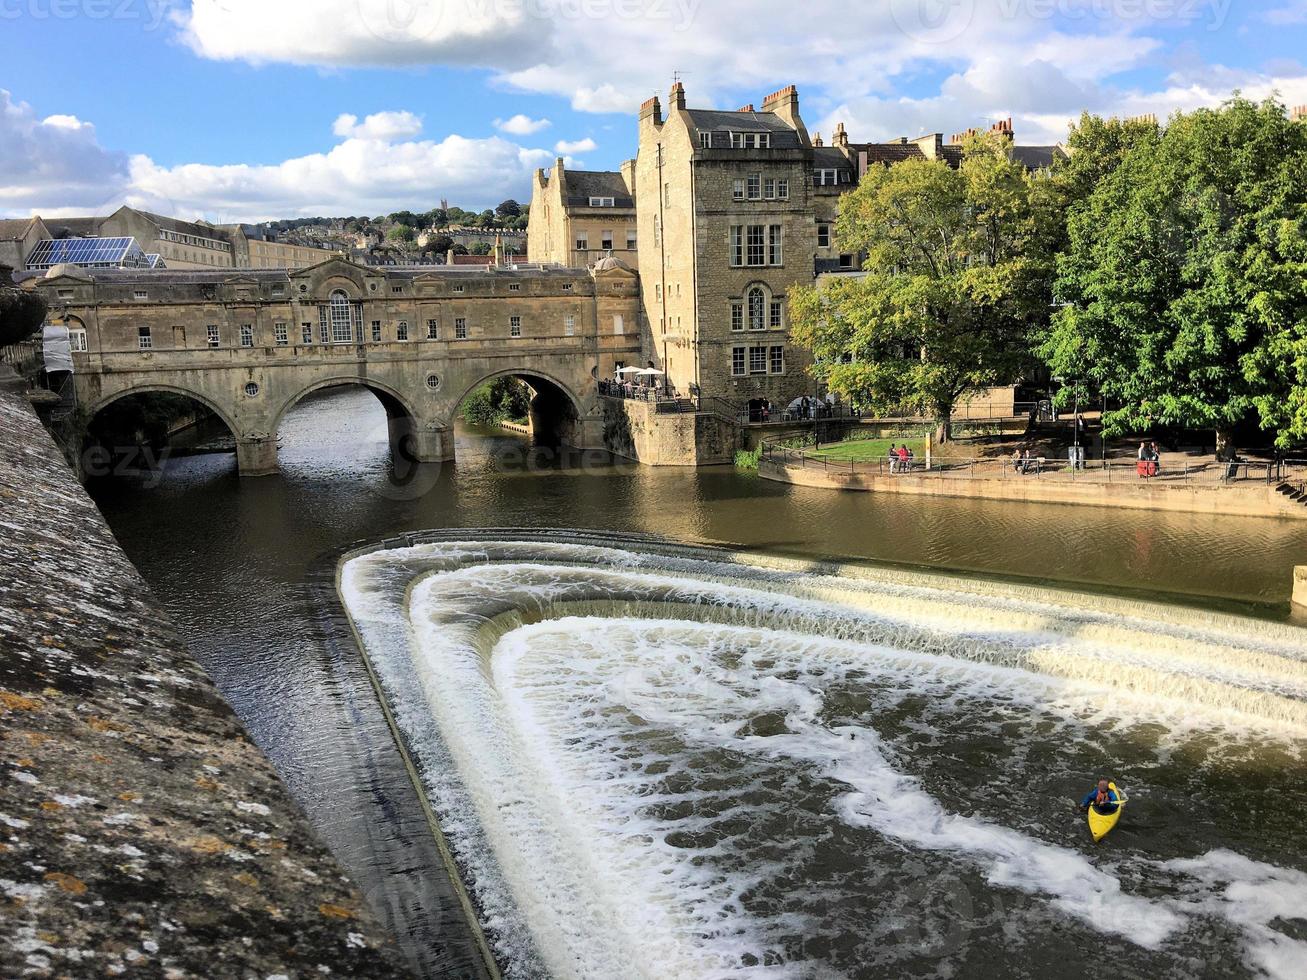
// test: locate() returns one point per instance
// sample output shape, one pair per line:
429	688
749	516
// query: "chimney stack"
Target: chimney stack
785	104
841	138
816	140
676	100
1004	128
1299	113
652	109
745	108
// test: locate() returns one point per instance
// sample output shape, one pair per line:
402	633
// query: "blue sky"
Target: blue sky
233	108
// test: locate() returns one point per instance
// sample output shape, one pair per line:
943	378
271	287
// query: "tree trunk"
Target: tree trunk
944	428
1225	444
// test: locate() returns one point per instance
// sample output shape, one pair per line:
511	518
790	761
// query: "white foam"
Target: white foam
535	749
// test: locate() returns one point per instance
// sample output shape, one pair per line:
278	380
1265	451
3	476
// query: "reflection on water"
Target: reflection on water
231	560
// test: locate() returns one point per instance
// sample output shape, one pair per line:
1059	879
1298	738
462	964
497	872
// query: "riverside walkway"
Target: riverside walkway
1200	484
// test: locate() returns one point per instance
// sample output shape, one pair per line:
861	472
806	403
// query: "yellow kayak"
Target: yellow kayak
1101	823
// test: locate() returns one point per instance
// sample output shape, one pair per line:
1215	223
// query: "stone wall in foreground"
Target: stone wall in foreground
141	831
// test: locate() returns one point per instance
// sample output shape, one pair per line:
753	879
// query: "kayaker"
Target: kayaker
1102	798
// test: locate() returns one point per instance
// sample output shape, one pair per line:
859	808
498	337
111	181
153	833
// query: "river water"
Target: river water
680	763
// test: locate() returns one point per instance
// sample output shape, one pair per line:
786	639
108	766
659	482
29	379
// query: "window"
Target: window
458	289
77	340
658	292
630	240
515	326
280	335
582	241
433	382
433	330
823	236
824	177
775	318
606	240
602	202
774	236
737	245
769	189
340	316
658	229
376	331
750	141
143	338
397	289
757	309
754	185
757	360
215	338
846	261
755	252
618	327
460	328
705	140
782	189
247	335
737	361
777	359
251	389
667	194
569	325
738	193
306	332
567	287
514	287
401	330
737	316
140	294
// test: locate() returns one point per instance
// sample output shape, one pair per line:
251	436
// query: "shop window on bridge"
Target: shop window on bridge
619	327
515	326
433	330
306	333
143	339
401	330
214	337
280	335
376	331
569	325
460	328
77	340
247	335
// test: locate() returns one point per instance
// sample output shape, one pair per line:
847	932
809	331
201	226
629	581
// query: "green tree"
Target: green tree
480	248
508	209
954	285
22	311
501	399
438	244
1185	278
401	233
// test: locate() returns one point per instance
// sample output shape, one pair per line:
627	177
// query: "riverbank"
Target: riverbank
1249	499
142	830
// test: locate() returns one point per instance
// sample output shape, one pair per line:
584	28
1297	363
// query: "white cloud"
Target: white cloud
52	163
521	125
566	147
56	167
384	126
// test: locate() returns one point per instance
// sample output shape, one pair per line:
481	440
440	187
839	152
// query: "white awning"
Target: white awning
58	348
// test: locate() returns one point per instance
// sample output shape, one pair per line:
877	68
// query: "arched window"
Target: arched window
757	309
342	330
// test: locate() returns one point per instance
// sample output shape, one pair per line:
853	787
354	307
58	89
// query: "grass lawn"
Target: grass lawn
865	450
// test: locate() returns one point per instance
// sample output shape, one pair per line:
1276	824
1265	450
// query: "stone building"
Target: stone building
579	216
727	223
18	237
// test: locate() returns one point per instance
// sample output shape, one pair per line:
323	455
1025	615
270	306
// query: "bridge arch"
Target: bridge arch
526	374
100	404
395	404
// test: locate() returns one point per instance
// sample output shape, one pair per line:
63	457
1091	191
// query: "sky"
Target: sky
246	110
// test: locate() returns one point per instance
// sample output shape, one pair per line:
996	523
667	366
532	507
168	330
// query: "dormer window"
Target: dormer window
750	141
602	202
824	177
705	140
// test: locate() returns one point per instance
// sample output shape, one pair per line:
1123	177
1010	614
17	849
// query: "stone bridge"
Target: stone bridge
250	344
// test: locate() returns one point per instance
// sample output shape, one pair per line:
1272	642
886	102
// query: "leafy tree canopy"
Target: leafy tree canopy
1185	274
954	284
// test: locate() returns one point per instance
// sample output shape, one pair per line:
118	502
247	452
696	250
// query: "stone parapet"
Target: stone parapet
141	831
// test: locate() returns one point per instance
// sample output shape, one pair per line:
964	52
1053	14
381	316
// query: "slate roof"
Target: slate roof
1037	157
713	120
75	227
14	228
585	184
187	227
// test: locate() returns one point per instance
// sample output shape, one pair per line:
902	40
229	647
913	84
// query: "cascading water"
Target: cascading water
659	761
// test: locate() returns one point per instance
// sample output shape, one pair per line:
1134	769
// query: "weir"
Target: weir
600	718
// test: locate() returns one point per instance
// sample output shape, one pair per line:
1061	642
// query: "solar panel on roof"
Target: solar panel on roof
103	253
